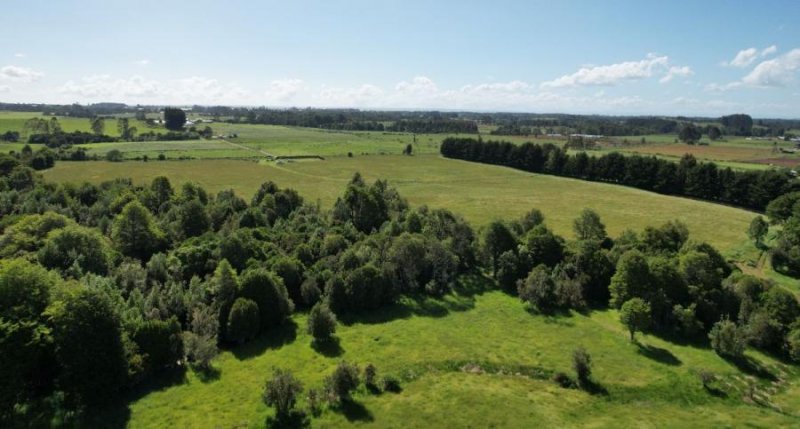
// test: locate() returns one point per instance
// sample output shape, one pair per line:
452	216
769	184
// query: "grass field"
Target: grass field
479	192
15	121
733	151
483	361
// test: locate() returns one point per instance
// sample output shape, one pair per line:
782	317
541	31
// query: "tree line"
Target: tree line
689	177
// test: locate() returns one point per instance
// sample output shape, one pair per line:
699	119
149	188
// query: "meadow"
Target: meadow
477	356
479	192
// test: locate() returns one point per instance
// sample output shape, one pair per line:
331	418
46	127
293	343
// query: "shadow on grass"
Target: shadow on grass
594	388
460	298
715	391
554	316
328	348
272	339
295	419
354	411
658	354
752	367
207	375
117	413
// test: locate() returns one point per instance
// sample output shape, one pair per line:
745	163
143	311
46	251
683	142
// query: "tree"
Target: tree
224	287
727	339
243	322
281	392
162	190
631	279
174	118
582	364
134	232
201	342
88	343
589	227
408	149
496	240
126	131
689	133
160	342
114	155
635	315
290	270
75	247
269	294
539	289
193	219
24	290
714	133
757	230
98	125
321	322
343	381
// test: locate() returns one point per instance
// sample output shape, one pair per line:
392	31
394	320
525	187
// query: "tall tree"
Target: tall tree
98	125
758	229
689	133
588	226
635	315
88	343
134	232
174	118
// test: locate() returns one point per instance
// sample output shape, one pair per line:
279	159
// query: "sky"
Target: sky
704	58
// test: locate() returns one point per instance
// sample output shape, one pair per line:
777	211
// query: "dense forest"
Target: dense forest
156	277
689	177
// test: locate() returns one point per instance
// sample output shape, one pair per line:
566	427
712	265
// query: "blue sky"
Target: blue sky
606	57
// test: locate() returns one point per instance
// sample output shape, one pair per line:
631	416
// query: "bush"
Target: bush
342	382
281	392
727	339
114	155
370	376
564	380
391	384
582	364
321	322
314	399
243	321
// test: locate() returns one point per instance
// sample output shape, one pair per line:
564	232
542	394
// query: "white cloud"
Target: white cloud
142	62
744	58
5	88
19	55
20	74
366	95
284	90
674	72
189	90
769	50
418	85
776	72
612	74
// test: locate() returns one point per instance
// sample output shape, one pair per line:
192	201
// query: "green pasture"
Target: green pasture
479	192
477	358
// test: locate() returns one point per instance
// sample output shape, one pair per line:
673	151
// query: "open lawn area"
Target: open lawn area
479	192
476	356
